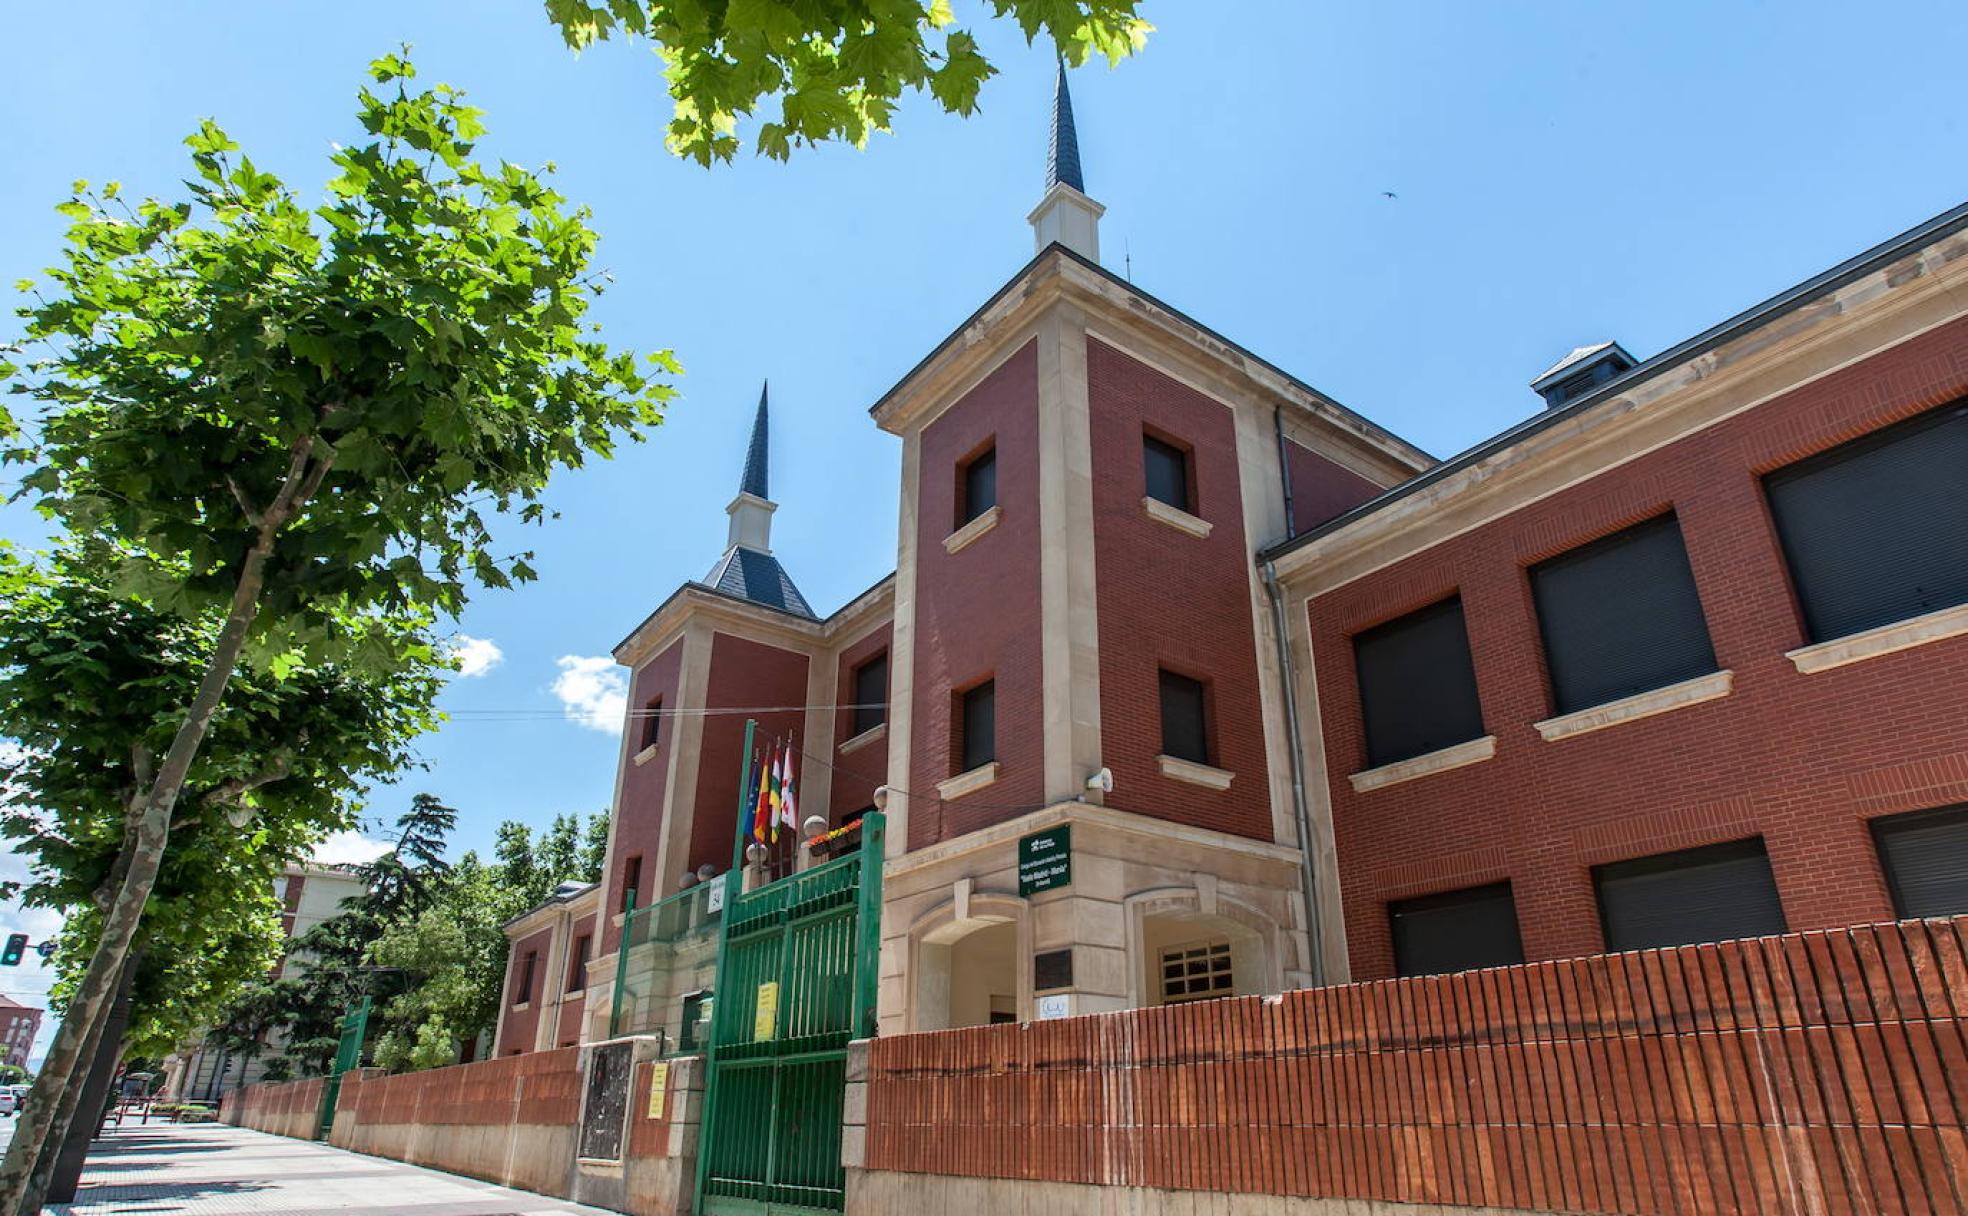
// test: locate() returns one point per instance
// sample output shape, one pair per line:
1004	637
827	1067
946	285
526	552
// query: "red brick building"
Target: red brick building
18	1025
1303	704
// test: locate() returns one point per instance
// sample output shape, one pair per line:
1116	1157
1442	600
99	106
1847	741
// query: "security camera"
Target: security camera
1102	781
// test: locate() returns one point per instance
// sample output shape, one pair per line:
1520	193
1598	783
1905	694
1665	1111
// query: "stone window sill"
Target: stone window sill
522	1007
1176	517
877	731
1901	635
970	782
1194	773
1473	752
1641	705
646	754
963	536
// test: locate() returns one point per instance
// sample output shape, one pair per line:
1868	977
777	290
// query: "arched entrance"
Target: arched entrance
1183	953
971	971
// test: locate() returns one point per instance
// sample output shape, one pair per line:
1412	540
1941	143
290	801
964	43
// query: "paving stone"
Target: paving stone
215	1170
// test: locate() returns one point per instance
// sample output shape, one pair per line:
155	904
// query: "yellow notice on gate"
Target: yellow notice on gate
659	1088
765	1023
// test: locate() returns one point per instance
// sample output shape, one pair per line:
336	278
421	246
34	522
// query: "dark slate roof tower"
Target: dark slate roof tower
1065	216
748	571
1063	156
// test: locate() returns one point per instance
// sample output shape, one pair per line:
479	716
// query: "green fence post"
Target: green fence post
867	926
733	881
622	963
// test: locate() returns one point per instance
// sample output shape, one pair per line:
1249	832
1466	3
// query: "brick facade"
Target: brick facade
978	608
1172	600
1802	760
744	675
1321	488
639	813
855	776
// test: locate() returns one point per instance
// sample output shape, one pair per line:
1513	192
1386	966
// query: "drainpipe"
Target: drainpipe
1301	814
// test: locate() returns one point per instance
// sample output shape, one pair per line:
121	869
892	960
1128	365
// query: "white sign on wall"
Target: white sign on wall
1058	1005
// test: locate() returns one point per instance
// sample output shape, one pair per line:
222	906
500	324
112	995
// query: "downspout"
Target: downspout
1301	813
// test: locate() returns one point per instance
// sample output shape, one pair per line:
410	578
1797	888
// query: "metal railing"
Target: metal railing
664	970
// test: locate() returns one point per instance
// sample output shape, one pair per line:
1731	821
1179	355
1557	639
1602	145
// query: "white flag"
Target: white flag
788	806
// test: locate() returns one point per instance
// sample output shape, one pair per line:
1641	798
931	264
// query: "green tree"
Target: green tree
349	394
836	67
453	953
91	685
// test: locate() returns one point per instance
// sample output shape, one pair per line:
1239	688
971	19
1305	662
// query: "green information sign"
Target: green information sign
1045	860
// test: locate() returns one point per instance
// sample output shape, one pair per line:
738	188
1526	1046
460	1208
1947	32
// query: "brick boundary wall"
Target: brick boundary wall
1818	1072
284	1108
510	1120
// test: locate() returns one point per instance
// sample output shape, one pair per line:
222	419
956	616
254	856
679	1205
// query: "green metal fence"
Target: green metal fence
796	977
348	1054
665	969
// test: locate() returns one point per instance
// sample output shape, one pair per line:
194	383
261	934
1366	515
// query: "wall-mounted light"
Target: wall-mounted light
1101	782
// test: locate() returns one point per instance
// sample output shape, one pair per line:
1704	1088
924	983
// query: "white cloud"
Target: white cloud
593	691
475	656
348	847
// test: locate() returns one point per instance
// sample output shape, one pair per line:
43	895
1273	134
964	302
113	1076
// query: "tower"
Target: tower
748	570
1065	215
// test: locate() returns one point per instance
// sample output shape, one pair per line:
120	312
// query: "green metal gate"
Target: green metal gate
797	967
355	1027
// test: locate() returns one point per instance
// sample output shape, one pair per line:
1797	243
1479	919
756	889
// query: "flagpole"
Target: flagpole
744	803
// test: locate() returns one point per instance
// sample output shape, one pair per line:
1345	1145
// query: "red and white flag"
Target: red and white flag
788	803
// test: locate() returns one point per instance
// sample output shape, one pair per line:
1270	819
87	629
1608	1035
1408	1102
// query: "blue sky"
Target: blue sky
1564	173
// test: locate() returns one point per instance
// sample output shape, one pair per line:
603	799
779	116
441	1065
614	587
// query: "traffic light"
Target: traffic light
16	946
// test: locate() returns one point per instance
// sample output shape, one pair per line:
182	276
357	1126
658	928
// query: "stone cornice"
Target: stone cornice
694	601
1058	276
1810	337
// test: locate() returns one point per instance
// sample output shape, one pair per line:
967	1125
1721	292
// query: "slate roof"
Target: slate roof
1063	155
753	480
1580	354
747	574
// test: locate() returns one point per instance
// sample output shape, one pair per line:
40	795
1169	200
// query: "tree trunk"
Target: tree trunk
59	1171
40	1124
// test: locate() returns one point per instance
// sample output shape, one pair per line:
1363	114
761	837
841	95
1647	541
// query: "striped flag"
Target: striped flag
788	802
762	808
772	790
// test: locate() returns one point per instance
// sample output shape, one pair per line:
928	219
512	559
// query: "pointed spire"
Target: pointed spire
1063	156
754	480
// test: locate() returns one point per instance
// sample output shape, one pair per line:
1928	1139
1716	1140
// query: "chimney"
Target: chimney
1578	373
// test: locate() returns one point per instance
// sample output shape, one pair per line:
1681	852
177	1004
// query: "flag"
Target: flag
788	804
762	809
773	772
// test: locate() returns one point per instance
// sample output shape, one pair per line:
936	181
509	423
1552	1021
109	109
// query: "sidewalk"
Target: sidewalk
214	1170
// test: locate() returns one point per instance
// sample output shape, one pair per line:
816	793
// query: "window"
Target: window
1197	971
977	726
1167	467
652	723
1876	531
977	488
1708	894
526	967
1620	616
577	975
1456	931
1925	856
1052	969
1185	733
871	693
632	883
1417	684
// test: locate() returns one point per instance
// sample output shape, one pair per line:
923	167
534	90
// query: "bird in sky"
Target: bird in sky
1388	194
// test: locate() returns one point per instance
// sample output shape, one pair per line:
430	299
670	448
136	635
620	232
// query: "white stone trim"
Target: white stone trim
1473	752
970	782
873	733
1195	774
646	754
1175	517
963	536
1710	687
1901	635
521	1007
